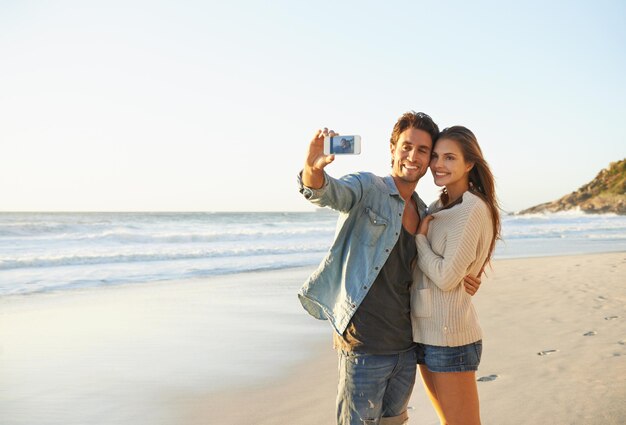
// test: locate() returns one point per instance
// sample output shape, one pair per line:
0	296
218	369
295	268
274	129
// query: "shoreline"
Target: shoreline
234	347
120	353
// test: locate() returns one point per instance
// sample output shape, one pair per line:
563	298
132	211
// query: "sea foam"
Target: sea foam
56	251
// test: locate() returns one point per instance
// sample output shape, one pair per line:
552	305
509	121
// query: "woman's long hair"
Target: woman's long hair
481	179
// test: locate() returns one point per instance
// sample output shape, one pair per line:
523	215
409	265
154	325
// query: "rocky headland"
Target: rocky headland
604	194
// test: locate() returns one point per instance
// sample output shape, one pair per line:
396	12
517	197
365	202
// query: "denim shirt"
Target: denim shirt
368	228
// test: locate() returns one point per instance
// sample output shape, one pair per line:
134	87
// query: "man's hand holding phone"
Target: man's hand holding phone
322	149
316	160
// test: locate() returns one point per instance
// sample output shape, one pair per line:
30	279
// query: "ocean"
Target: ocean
42	252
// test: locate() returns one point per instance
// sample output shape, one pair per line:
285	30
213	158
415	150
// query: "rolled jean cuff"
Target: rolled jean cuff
401	419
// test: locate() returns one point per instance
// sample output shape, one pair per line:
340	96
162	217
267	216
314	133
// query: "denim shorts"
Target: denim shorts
464	358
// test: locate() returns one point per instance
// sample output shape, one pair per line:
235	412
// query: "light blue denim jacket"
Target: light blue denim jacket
368	228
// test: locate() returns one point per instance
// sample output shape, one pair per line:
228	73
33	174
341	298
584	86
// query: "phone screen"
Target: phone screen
342	144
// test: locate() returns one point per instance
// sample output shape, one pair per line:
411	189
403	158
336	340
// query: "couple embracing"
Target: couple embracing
397	282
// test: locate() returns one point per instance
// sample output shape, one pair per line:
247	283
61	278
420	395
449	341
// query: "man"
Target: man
363	284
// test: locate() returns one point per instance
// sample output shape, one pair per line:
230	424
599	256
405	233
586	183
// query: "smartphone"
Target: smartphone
342	145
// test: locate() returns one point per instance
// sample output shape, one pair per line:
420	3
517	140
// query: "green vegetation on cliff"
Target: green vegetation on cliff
604	194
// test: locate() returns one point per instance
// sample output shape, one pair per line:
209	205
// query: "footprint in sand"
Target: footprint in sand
487	378
622	342
590	333
611	317
546	352
601	298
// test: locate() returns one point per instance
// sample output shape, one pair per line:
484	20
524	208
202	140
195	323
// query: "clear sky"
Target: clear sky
209	105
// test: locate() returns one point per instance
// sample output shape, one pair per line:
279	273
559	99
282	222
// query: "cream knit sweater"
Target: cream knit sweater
457	244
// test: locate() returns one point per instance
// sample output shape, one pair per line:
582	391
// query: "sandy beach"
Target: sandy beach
239	349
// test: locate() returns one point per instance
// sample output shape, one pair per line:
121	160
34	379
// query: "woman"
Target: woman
457	239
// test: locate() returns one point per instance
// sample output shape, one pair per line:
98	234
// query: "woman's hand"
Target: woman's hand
423	229
471	284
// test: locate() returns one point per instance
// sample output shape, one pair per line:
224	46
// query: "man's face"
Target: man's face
411	155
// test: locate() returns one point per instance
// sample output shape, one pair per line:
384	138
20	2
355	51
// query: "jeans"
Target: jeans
373	386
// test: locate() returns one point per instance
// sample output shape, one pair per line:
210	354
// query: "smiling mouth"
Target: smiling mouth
410	167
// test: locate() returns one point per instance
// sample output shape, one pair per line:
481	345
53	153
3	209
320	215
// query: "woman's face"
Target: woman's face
448	164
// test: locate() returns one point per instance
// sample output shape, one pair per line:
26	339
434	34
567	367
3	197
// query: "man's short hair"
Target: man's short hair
418	120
